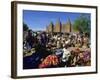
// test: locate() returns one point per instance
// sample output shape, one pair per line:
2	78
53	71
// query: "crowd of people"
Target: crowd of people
58	49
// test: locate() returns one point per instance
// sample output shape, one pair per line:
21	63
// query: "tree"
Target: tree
82	24
25	27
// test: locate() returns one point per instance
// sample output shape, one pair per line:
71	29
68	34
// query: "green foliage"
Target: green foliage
82	24
25	27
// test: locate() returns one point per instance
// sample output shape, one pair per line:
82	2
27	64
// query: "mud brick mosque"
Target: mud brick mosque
60	27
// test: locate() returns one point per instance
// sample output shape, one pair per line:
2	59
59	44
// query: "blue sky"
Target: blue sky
38	20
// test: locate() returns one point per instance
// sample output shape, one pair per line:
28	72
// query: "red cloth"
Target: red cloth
51	60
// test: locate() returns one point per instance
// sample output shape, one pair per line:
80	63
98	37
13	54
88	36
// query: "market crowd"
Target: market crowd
51	50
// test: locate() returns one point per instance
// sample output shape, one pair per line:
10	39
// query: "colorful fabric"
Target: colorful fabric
51	60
